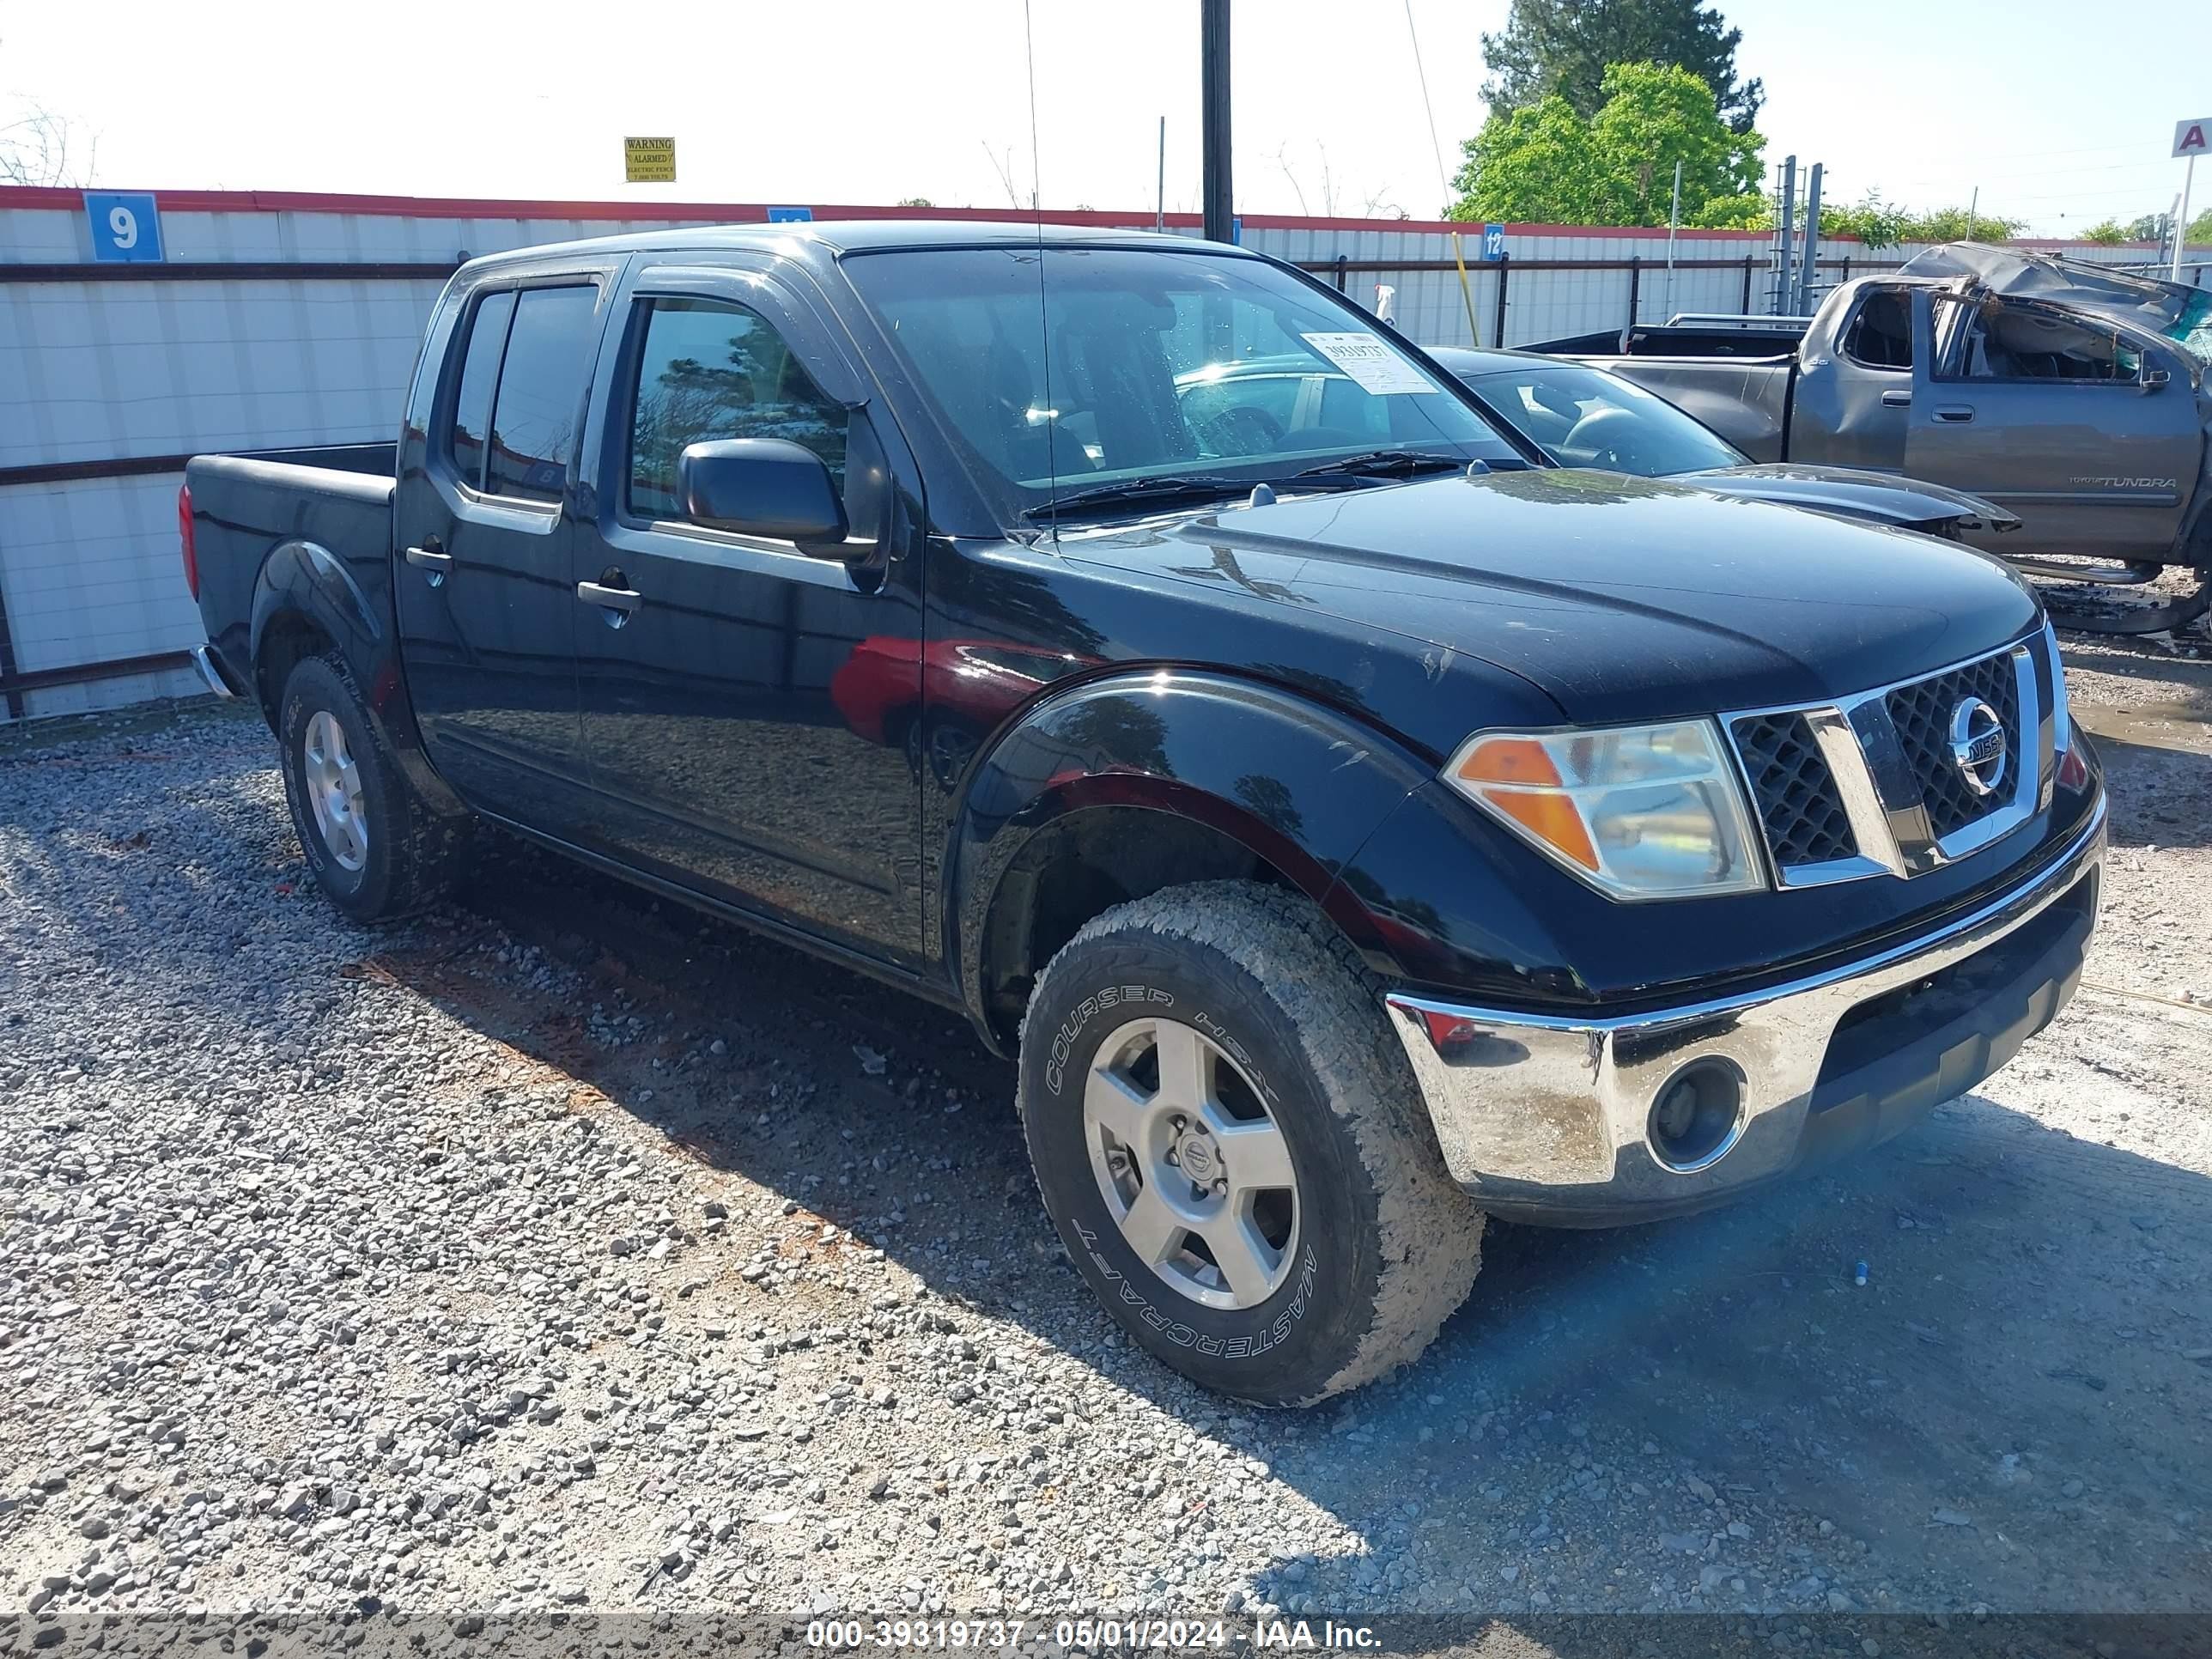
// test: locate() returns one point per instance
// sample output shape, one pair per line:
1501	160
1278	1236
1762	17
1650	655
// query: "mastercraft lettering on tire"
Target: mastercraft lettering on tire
1352	831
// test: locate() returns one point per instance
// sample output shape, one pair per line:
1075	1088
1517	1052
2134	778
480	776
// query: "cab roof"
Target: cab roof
835	237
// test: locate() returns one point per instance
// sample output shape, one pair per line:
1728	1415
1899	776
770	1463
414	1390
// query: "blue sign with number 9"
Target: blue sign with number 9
123	227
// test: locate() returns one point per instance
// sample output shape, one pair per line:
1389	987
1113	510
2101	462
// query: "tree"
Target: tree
915	201
1874	221
1547	163
1566	47
2109	233
2199	228
37	147
1752	210
1532	166
1951	224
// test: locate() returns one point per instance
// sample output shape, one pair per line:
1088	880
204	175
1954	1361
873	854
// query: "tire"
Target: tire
379	852
1350	1273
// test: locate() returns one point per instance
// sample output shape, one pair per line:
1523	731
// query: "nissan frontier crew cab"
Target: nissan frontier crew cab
1354	832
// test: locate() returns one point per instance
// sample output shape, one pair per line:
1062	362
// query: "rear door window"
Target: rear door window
1879	334
479	375
541	392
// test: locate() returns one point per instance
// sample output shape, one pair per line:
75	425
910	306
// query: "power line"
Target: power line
1459	254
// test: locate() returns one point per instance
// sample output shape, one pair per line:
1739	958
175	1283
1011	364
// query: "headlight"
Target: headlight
2071	772
1639	812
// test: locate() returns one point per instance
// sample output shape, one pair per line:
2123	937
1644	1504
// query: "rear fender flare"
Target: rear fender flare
304	581
1298	785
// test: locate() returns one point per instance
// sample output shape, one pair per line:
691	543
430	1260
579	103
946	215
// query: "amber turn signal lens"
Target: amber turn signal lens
1553	819
1509	760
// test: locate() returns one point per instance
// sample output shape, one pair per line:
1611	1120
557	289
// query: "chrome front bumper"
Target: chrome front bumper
1549	1118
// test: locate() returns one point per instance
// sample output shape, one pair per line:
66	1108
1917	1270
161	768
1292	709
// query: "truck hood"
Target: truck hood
1623	599
1852	493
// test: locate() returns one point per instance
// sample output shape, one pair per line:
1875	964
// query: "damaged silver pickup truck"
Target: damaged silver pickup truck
2073	395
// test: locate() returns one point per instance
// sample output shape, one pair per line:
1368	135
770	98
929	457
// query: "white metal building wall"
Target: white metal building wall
99	370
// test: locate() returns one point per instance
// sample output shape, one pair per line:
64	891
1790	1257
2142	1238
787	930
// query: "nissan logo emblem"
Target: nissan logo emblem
1978	744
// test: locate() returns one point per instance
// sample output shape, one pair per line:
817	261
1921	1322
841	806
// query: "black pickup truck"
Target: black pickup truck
1353	834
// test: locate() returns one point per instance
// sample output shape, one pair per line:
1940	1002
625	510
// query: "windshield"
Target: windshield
2194	330
1587	417
1152	363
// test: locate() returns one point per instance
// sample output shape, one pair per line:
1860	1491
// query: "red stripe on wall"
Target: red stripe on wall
445	207
738	213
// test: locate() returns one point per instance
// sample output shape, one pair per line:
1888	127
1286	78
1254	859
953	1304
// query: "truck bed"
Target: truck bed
1758	338
267	517
1745	400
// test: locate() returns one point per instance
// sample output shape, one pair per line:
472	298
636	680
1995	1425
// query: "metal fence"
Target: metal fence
293	320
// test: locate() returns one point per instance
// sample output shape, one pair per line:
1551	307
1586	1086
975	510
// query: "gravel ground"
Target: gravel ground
562	1250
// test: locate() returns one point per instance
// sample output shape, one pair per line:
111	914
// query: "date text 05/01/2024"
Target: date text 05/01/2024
1093	1635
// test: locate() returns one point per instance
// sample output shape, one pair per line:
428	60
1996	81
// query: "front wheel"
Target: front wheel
1229	1142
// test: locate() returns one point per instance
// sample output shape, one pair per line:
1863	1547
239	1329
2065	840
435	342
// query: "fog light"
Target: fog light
1698	1116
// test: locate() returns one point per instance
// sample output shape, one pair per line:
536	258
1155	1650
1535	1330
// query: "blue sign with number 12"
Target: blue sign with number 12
1493	244
123	227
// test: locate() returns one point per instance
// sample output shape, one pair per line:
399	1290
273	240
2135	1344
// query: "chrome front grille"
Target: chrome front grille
1902	779
1921	714
1799	804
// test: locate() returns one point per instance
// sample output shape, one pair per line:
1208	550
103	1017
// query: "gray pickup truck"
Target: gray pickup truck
2072	395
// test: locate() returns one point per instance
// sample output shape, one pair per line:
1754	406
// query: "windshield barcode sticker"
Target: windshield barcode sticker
1372	366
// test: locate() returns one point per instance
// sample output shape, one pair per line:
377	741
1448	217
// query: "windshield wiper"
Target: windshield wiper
1384	464
1163	488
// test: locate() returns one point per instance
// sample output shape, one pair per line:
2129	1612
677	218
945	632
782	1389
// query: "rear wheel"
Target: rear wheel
1228	1138
375	847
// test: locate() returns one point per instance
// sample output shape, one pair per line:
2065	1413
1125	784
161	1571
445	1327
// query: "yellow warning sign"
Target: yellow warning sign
649	161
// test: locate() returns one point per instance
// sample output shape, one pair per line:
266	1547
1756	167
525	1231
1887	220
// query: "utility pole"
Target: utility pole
1787	222
2181	220
1160	201
1673	222
1214	74
1973	205
1809	265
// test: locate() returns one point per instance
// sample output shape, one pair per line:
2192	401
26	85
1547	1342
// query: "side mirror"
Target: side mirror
762	487
2150	380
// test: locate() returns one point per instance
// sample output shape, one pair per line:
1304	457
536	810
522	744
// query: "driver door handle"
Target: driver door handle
1957	413
1897	399
624	599
433	561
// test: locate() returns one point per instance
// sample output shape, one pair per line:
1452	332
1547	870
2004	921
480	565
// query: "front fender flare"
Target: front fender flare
1299	784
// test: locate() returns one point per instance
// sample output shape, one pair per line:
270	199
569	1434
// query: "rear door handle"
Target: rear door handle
1897	400
620	602
1958	413
432	561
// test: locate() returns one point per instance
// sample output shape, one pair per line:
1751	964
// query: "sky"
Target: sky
859	101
